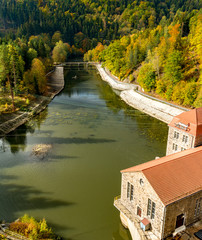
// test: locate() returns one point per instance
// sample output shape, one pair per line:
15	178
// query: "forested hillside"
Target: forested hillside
165	60
156	43
97	20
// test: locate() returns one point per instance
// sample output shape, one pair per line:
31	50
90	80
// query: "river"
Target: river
94	135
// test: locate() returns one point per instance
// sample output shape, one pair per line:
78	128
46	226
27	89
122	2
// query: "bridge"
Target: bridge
75	63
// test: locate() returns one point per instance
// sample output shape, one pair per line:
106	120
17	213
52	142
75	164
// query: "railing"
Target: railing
15	235
117	197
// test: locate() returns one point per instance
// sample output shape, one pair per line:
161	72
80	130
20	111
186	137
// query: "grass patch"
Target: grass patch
22	103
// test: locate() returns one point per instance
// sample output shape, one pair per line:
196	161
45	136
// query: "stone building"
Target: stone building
185	131
162	197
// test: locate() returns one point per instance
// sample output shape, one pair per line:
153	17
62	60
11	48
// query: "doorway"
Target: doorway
179	221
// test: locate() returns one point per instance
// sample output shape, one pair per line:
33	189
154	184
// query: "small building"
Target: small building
185	131
162	197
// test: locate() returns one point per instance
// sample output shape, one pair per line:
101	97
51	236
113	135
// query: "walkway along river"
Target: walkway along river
94	135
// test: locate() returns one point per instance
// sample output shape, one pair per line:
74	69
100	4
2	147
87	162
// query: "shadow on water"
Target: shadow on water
28	198
57	157
73	140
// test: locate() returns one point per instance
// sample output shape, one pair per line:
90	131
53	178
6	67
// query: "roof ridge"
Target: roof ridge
165	159
173	159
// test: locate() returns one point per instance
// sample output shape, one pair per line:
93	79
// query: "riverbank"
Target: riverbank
130	93
55	82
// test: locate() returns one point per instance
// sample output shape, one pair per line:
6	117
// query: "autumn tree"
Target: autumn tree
61	51
38	71
11	66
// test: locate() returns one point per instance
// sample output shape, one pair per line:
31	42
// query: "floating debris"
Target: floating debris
41	150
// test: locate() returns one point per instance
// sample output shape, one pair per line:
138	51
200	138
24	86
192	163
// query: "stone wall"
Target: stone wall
184	206
113	81
171	140
150	105
198	141
140	199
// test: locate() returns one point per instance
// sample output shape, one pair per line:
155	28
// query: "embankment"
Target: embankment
130	93
55	82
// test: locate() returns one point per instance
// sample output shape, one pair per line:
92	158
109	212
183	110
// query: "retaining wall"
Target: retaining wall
152	106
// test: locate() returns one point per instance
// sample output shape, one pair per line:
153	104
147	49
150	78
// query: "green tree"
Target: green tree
191	92
57	36
173	67
11	65
60	52
147	77
31	54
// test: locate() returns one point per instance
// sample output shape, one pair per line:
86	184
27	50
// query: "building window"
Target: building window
176	134
153	210
185	138
130	190
141	182
175	147
139	211
182	149
149	207
197	207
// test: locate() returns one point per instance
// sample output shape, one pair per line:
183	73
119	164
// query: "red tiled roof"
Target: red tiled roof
191	118
174	176
145	221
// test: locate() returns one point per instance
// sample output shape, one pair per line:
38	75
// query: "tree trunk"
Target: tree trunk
14	77
11	90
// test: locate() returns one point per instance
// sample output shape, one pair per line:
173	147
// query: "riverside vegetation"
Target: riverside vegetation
29	227
156	43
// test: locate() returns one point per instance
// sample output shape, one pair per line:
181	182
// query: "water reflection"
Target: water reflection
94	135
147	125
17	139
121	232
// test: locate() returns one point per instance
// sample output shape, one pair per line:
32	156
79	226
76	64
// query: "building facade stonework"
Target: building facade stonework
188	208
137	202
185	131
179	140
165	193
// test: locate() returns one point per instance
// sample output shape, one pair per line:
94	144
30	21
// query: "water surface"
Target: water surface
94	135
